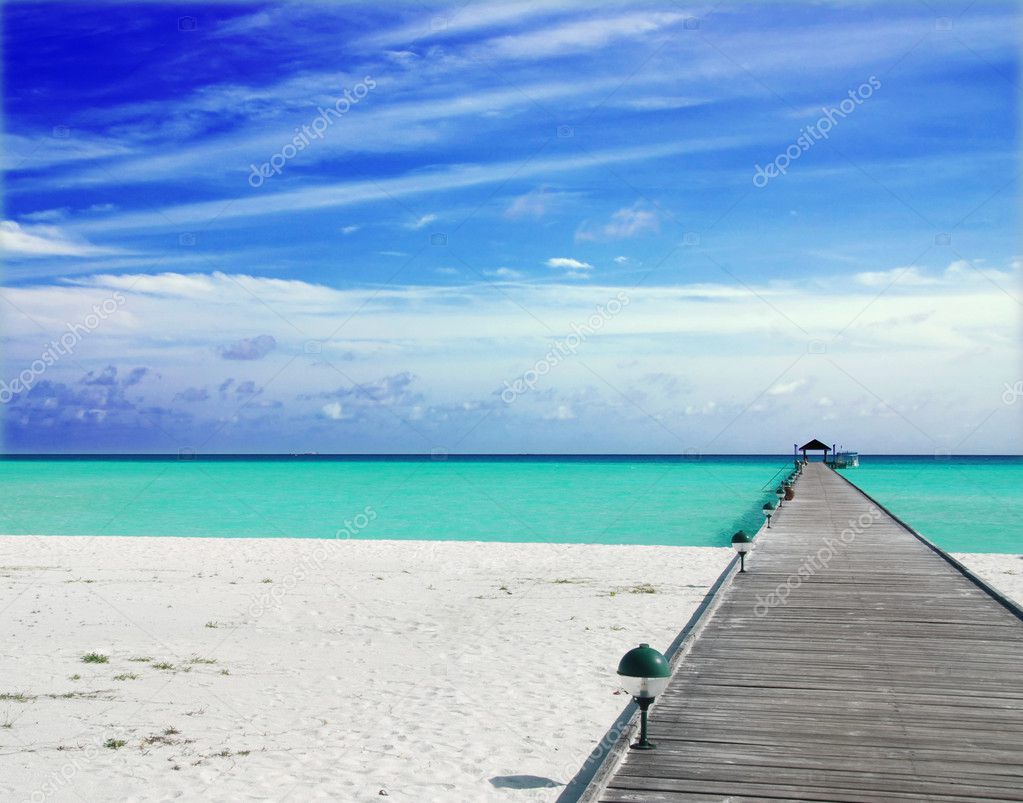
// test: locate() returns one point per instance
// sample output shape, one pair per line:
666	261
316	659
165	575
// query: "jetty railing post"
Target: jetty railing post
643	743
742	544
644	673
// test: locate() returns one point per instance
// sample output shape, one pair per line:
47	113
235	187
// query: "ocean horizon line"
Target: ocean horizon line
441	457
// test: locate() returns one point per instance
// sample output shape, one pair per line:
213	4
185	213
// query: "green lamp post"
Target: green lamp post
742	544
780	493
643	673
768	512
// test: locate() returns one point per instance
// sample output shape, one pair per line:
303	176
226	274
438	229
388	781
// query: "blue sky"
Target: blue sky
510	226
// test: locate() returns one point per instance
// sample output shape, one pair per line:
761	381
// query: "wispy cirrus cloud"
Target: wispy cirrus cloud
422	222
45	241
570	37
350	193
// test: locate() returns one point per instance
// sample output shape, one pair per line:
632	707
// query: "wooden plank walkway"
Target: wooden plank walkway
885	674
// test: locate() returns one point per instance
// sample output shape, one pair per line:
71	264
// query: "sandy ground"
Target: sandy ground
1004	572
277	669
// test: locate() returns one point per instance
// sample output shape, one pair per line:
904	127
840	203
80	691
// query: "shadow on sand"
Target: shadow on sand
523	782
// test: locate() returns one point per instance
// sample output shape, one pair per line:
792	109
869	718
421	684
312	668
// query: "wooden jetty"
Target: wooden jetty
851	662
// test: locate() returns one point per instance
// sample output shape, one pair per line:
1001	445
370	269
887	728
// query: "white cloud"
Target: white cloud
503	273
970	270
350	229
624	223
787	388
958	272
707	408
532	204
569	263
563	413
632	221
44	241
537	204
403	57
621	260
909	275
333	411
423	221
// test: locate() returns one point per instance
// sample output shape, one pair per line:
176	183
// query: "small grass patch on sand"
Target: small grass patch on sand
162	665
165	738
114	744
198	660
643	588
74	677
74	695
126	676
141	659
213	624
94	658
16	697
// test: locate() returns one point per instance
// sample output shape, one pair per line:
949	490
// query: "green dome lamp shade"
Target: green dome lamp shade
780	493
768	512
644	673
742	544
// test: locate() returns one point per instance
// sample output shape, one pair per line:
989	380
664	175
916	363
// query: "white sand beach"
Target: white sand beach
1003	572
278	669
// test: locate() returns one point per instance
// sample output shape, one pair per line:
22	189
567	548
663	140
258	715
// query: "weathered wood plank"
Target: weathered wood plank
850	663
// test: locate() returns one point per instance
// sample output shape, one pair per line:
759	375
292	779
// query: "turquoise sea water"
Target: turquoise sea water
608	500
963	504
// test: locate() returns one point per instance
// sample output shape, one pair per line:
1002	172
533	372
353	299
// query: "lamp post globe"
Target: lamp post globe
780	493
768	512
742	544
644	673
